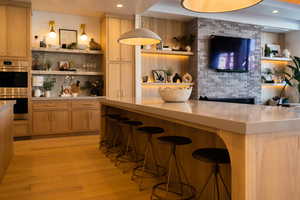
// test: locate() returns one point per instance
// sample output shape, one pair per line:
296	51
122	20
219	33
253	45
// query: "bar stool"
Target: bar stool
115	140
145	170
179	187
215	156
129	152
105	140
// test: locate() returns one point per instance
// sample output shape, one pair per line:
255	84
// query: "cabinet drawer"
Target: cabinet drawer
85	105
53	105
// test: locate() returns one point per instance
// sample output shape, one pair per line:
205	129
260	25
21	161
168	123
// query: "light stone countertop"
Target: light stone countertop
66	98
239	118
5	104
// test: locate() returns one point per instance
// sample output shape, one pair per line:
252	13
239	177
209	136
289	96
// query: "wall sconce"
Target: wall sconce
83	35
52	33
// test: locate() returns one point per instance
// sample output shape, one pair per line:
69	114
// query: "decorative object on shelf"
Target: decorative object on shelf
267	76
145	79
48	65
72	46
95	87
286	53
83	35
43	43
217	6
169	74
48	85
159	46
147	47
177	78
66	88
139	36
185	42
82	46
159	75
292	78
175	94
67	37
267	51
36	63
37	82
75	88
52	33
63	65
94	45
187	78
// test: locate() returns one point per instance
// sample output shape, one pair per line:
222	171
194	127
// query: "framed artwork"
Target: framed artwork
159	76
67	36
63	65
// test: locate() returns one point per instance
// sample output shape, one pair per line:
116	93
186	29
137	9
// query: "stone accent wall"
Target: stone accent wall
210	83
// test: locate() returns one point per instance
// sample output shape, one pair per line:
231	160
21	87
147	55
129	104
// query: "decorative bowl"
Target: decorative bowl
175	94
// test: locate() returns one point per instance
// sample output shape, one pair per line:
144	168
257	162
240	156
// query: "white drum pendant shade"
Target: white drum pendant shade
139	36
217	6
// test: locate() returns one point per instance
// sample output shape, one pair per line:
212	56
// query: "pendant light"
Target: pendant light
139	36
83	35
217	6
52	33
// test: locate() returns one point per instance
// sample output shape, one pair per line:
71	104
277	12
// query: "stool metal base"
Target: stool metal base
173	191
215	175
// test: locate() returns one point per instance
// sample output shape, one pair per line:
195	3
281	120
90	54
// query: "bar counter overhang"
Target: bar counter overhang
263	142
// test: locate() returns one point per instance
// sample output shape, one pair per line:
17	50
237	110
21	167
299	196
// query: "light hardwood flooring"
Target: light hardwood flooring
69	168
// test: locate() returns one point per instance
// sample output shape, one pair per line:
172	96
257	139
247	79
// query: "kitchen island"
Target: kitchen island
6	137
263	142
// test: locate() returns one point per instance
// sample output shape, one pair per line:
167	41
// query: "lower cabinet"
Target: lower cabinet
58	118
85	120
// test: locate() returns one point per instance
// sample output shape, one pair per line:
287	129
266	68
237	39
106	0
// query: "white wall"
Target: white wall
40	25
292	40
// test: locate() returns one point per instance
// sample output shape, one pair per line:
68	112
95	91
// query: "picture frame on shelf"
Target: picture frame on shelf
67	37
63	65
159	76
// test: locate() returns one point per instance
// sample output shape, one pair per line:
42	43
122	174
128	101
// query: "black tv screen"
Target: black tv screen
229	54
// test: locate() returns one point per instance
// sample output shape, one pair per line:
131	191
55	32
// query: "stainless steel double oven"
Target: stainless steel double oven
14	83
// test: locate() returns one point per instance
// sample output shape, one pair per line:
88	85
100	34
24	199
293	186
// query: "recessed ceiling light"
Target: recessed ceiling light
275	11
119	5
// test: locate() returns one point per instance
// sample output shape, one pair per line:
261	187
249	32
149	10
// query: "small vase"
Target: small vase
188	48
48	94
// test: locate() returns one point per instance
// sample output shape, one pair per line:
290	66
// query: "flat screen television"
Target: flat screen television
229	54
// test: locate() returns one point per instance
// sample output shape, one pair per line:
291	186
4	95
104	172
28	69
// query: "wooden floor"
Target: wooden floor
69	168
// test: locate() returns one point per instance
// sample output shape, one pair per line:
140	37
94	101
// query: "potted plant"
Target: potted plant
169	74
186	41
291	78
48	85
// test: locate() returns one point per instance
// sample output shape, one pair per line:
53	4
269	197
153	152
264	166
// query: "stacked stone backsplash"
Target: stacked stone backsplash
210	83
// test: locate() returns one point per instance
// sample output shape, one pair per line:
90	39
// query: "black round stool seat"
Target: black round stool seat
151	129
133	123
175	140
212	155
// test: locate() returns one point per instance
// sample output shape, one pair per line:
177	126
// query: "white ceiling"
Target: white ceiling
93	7
288	17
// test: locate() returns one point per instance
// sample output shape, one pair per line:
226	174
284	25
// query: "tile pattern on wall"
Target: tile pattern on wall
220	84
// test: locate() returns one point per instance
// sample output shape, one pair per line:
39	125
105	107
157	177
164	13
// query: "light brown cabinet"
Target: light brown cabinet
85	116
51	122
58	117
119	62
15	31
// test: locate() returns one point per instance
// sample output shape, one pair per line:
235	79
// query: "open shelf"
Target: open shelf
181	53
164	84
75	51
40	72
276	59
